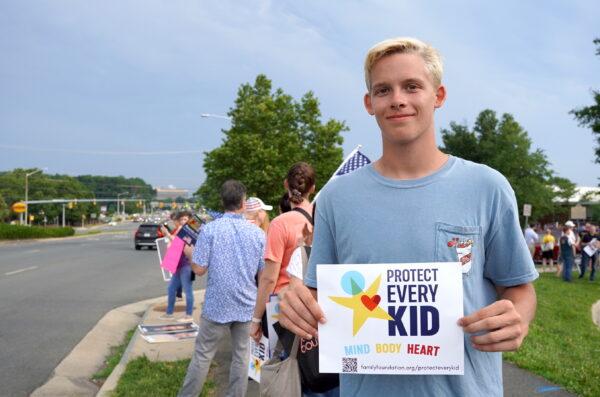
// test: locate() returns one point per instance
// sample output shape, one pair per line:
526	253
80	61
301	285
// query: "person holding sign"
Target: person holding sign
423	206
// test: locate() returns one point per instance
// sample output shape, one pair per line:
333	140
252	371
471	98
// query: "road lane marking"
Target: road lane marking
31	251
20	270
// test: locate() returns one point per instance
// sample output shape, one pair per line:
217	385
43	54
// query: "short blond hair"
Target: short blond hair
405	45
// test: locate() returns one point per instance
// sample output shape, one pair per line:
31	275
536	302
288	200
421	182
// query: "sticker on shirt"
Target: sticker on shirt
464	250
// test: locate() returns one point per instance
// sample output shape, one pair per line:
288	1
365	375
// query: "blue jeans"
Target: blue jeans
568	262
585	260
181	278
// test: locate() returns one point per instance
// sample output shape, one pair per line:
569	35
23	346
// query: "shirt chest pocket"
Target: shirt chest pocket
459	244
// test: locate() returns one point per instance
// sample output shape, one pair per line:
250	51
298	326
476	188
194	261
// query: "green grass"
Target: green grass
17	232
143	377
116	352
563	344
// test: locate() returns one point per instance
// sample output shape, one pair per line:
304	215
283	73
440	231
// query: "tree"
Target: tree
45	187
269	132
589	116
505	146
4	210
111	186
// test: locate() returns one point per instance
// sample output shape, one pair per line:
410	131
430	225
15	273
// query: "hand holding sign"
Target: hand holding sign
299	310
505	323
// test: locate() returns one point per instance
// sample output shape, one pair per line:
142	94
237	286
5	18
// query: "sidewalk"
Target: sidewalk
71	377
173	351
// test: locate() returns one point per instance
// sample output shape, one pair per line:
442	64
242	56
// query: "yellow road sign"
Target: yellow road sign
18	207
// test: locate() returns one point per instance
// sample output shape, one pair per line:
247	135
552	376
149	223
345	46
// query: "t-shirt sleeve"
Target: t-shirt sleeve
294	268
508	261
323	250
275	245
202	249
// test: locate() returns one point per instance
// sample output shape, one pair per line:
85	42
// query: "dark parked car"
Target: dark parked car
146	234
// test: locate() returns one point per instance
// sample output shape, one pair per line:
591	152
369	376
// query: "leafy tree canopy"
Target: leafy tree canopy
46	187
589	116
269	132
505	146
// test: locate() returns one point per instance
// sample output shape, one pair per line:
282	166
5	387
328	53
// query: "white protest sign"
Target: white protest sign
272	310
391	318
258	355
592	247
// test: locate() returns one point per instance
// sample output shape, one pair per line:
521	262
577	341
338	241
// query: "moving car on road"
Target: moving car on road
146	234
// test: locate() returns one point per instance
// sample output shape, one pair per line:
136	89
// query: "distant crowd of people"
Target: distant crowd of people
565	243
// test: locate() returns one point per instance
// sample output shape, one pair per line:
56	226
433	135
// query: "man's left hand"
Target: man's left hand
255	331
502	327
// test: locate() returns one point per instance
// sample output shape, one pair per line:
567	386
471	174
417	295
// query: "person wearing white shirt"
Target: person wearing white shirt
531	238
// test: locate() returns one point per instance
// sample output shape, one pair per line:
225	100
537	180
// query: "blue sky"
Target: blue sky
83	83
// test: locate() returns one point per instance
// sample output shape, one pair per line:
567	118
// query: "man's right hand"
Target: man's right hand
299	311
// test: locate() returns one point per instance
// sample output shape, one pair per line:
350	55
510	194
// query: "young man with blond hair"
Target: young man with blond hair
420	200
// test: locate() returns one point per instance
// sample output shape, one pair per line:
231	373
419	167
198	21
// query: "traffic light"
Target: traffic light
70	205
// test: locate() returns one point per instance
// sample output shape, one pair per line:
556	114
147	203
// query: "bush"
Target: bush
17	232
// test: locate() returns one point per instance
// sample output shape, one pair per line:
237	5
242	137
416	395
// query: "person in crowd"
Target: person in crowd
282	239
548	242
531	238
256	213
586	237
231	250
170	234
181	279
567	242
418	199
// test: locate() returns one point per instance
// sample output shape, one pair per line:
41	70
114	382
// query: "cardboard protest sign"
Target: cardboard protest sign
258	355
592	247
162	245
168	328
391	318
170	261
272	310
189	231
176	337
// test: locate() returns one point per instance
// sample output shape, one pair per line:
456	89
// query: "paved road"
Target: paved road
53	292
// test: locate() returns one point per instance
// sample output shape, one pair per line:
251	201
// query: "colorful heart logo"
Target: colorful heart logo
370	303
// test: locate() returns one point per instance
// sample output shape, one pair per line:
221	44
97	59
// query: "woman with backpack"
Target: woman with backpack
283	236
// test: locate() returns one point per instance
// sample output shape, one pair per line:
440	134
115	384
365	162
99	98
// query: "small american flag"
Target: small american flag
352	163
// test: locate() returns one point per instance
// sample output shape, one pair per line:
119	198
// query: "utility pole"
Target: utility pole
63	218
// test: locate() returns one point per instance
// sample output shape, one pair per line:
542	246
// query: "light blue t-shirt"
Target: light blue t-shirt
364	217
232	248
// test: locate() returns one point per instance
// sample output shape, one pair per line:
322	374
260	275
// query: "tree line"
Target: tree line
270	131
46	187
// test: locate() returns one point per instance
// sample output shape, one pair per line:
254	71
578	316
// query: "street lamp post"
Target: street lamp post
27	175
118	195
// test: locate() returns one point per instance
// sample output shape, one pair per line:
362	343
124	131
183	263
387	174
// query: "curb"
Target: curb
72	376
111	382
133	348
